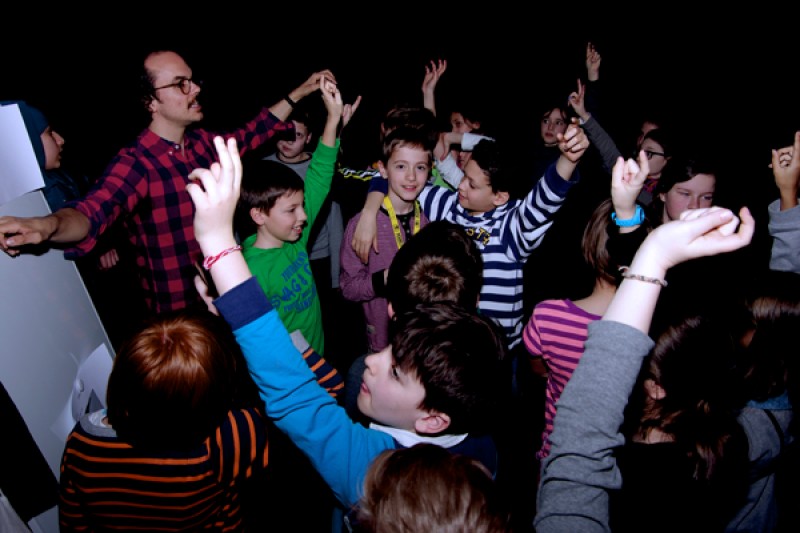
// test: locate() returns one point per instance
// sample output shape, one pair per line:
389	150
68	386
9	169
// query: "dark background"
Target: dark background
727	78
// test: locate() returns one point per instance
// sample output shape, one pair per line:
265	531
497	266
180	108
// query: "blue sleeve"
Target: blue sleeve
339	449
378	183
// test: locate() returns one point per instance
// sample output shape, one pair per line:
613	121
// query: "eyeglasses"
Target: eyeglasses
183	84
648	153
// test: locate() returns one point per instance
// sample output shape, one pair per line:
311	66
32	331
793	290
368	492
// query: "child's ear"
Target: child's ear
654	390
257	215
500	198
382	170
390	309
432	423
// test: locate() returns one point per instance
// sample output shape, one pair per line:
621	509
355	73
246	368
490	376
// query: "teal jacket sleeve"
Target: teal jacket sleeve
339	449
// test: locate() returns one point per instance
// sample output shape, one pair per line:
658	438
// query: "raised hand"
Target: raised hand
592	62
215	192
698	233
573	142
577	101
433	71
314	82
350	110
627	179
331	97
786	170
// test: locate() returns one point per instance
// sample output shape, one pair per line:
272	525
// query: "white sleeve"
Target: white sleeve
469	140
450	171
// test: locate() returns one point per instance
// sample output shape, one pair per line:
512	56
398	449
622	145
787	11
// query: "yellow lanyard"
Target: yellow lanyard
398	235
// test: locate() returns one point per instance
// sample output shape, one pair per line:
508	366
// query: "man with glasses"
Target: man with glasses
144	186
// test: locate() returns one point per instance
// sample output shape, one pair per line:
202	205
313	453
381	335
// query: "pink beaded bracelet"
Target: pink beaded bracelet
209	261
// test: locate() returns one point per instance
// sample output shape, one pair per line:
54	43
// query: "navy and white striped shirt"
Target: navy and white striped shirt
506	236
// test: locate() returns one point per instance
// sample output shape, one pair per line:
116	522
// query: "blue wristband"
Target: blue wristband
637	219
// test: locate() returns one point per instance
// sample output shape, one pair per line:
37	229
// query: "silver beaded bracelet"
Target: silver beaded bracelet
628	275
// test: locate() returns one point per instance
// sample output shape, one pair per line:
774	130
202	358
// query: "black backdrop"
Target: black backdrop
729	79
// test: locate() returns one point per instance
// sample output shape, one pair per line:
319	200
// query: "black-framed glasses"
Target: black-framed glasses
183	84
648	153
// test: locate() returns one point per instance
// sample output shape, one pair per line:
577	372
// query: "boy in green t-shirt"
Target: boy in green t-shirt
283	208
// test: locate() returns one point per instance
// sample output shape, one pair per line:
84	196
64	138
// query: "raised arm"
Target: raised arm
787	173
581	471
596	133
338	449
283	107
332	99
592	62
572	144
627	179
433	72
215	192
784	213
445	162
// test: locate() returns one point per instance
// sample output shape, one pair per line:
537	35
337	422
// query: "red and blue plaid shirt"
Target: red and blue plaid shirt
145	186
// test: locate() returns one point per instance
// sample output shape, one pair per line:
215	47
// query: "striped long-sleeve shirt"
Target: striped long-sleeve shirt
107	484
556	332
506	236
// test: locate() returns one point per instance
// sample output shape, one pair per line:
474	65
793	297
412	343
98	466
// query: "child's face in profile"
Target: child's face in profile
656	157
53	144
474	192
388	395
407	170
285	221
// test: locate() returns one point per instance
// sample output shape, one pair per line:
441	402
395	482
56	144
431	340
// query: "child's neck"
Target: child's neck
265	240
597	302
299	158
401	207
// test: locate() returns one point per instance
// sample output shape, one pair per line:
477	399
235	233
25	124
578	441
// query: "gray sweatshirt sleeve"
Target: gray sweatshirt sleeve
603	142
784	228
580	470
335	234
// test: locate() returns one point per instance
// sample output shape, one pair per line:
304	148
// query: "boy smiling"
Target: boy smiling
406	165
